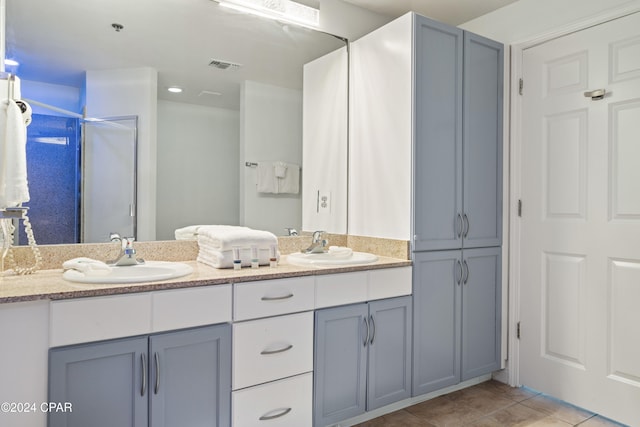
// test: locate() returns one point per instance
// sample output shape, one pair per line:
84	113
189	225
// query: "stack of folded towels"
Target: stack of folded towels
216	244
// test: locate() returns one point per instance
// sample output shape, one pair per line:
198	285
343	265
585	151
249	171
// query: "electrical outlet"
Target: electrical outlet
324	201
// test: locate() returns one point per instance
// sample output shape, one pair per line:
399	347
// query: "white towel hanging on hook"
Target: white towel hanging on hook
14	189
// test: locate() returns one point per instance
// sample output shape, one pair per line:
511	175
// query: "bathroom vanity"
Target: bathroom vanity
236	347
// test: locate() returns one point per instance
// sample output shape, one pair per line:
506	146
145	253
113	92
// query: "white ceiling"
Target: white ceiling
454	12
56	40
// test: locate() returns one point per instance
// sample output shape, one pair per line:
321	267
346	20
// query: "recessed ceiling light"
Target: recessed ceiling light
11	62
174	89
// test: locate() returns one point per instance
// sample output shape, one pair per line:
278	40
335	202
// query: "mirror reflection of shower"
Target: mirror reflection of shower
109	178
82	175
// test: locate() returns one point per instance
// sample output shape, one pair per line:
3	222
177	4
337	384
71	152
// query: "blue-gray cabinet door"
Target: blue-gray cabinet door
389	372
437	221
190	377
106	384
482	141
481	315
340	363
437	283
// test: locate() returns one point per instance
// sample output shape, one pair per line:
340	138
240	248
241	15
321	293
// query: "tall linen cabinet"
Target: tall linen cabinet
426	166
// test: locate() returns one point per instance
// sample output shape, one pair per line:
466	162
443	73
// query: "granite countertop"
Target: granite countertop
49	284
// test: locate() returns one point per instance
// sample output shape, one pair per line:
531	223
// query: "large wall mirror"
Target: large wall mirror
107	134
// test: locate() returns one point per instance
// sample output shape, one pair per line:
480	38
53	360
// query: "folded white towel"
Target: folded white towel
280	169
14	188
265	178
224	239
224	259
88	266
340	251
191	232
290	183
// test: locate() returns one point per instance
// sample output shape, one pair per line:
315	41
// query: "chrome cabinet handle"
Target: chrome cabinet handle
283	412
457	278
459	225
466	228
373	329
366	337
595	95
466	269
143	363
277	298
281	350
157	387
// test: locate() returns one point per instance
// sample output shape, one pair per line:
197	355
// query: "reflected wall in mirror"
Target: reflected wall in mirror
242	101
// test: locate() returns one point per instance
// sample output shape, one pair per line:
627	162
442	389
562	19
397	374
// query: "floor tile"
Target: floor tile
400	418
558	409
491	404
443	411
598	421
514	415
517	394
483	401
549	422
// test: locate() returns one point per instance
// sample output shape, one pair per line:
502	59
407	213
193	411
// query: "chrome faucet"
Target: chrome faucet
318	244
127	252
291	231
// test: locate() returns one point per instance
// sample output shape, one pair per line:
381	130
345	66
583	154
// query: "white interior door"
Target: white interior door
580	228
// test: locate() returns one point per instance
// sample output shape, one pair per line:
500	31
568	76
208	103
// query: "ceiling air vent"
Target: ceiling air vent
224	65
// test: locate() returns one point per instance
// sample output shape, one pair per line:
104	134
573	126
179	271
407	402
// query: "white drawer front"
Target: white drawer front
270	349
284	403
389	283
101	318
339	289
189	307
269	298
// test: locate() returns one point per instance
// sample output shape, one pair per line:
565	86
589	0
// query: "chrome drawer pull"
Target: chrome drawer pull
282	350
283	412
157	387
143	362
466	276
373	329
277	298
466	228
366	337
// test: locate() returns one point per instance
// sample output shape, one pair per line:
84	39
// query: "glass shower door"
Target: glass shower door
109	168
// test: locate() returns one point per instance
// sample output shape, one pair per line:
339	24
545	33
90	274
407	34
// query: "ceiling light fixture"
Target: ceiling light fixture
11	63
280	10
174	89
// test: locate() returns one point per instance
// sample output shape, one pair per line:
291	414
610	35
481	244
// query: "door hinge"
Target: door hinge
518	330
520	86
519	207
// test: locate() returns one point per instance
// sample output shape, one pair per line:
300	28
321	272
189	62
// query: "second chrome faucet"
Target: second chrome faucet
126	257
318	244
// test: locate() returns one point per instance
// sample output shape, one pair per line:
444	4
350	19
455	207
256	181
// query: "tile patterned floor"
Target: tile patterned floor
491	404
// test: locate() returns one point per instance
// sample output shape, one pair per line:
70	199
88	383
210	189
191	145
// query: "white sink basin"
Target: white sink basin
328	259
150	271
